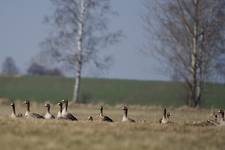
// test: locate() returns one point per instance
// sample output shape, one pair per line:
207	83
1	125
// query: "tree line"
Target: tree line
9	68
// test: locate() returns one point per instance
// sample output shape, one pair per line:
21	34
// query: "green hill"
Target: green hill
106	91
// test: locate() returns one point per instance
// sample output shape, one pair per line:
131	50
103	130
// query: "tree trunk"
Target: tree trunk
195	91
78	58
76	92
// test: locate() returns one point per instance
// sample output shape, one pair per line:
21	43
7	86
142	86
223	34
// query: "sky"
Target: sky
22	29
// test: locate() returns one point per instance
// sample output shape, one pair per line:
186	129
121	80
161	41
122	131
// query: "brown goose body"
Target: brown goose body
14	115
214	119
48	114
125	117
65	113
104	118
28	114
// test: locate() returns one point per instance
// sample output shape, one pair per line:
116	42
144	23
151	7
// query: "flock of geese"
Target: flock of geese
63	114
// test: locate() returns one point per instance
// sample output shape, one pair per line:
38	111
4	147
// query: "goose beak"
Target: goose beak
220	111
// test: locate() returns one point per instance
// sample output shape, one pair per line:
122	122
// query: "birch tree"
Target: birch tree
80	32
189	37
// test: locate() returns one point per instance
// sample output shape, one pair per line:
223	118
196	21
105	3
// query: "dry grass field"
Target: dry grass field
146	134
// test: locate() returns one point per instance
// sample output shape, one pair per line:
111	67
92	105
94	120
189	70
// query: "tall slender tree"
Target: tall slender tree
190	37
80	32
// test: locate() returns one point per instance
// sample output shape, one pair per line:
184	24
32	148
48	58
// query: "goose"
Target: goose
64	110
165	118
125	118
90	118
28	114
214	119
59	115
65	114
14	115
104	118
205	123
48	114
222	120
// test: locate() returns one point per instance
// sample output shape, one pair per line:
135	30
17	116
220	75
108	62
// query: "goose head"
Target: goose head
47	106
64	101
12	104
221	111
26	102
168	115
124	108
60	106
90	118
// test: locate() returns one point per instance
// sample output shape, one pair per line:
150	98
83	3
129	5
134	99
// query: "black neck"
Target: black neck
60	108
66	105
101	111
222	114
125	112
14	109
28	106
48	109
164	113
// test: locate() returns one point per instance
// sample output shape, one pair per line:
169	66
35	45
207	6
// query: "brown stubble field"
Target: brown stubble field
147	133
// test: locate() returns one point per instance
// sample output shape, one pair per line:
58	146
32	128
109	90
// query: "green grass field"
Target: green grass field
106	91
145	134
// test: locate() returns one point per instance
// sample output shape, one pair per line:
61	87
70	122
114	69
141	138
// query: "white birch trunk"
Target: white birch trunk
79	49
194	66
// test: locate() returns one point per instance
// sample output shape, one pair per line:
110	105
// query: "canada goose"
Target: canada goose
14	115
48	114
104	118
65	114
125	118
28	114
165	118
90	118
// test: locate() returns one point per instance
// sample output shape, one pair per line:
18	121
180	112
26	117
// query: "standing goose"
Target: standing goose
28	114
48	114
104	118
59	115
14	115
65	114
165	118
125	118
